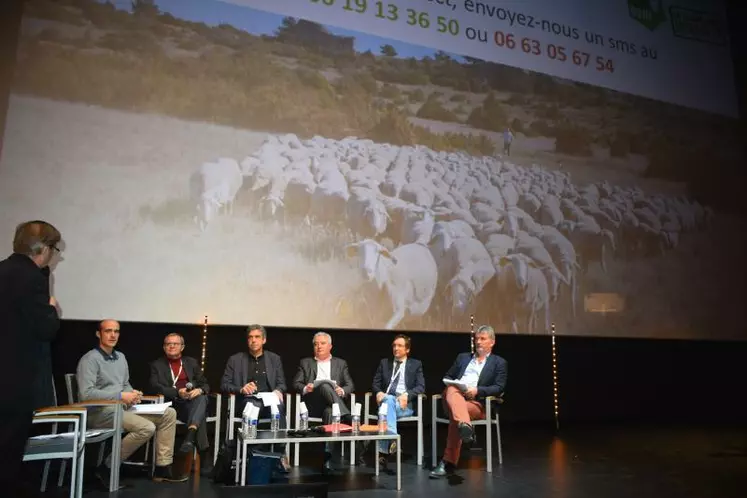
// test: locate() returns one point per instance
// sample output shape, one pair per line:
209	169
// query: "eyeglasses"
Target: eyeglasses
172	343
57	249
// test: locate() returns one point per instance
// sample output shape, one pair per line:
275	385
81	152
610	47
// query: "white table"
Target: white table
281	437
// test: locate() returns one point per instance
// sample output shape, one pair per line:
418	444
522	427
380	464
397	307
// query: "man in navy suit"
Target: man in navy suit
396	384
482	374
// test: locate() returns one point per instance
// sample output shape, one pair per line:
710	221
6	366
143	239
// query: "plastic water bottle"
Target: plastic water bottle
245	425
253	429
303	424
356	424
382	423
275	422
335	424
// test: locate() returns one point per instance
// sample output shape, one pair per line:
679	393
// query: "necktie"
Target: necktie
395	380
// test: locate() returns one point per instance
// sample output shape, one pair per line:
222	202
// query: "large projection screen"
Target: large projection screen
346	163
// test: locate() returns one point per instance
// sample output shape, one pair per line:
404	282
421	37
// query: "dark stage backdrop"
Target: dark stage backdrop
601	380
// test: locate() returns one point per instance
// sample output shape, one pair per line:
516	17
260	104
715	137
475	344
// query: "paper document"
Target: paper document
268	399
150	408
461	385
69	435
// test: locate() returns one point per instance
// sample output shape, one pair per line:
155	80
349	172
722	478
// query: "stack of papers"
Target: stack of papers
150	408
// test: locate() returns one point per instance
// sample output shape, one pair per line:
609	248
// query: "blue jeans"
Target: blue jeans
394	411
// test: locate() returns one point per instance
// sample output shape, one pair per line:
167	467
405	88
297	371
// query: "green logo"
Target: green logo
650	13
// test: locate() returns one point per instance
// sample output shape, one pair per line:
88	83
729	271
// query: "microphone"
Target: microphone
189	386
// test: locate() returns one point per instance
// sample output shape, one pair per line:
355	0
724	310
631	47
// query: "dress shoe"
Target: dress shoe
163	474
383	461
189	442
442	470
466	432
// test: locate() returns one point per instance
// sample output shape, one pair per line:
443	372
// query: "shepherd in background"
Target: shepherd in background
508	138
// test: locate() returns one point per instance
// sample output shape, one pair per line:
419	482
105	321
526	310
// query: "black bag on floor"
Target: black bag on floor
223	472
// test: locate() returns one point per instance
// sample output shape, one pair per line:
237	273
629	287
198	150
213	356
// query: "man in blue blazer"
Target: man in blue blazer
480	375
396	384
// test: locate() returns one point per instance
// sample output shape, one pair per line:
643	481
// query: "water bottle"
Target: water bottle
356	424
335	425
382	423
275	422
303	424
245	424
253	429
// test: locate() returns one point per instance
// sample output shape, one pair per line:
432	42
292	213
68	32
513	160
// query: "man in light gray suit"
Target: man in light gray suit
319	400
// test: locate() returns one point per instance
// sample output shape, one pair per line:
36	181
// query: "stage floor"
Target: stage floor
576	462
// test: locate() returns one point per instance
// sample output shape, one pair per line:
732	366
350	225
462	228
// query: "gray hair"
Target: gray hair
256	326
486	329
320	333
177	334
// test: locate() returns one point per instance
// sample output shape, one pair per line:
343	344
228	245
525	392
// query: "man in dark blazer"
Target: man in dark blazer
396	390
30	321
480	375
181	380
319	399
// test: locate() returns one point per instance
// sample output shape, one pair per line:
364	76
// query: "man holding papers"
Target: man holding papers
180	380
256	377
477	377
323	381
103	374
396	384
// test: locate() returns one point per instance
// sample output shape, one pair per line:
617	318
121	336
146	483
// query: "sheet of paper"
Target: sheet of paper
150	408
268	399
460	385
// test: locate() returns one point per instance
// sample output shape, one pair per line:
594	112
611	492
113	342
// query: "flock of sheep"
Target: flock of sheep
444	233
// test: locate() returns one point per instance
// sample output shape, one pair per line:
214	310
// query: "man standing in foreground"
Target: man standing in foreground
30	322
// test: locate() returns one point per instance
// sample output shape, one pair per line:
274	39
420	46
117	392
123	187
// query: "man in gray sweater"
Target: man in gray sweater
103	374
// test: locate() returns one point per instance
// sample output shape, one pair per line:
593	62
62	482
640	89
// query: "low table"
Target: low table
282	437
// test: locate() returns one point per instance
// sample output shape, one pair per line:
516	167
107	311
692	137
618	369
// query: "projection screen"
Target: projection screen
384	164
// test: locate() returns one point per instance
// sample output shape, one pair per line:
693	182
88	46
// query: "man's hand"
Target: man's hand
194	393
380	397
52	301
340	391
309	387
183	394
249	389
470	393
402	400
279	395
131	398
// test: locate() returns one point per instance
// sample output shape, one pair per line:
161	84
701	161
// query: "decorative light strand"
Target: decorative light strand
555	377
472	333
204	341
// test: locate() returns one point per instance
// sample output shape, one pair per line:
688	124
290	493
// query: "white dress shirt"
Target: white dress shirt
473	371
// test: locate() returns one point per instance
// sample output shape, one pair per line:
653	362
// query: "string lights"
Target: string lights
472	333
204	341
555	377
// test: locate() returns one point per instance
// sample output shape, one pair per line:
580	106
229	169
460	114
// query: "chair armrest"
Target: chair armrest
436	396
55	419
